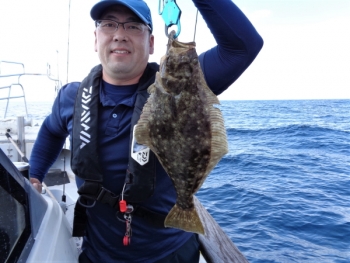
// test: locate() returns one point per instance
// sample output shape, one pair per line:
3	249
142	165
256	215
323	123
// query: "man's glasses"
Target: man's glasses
132	28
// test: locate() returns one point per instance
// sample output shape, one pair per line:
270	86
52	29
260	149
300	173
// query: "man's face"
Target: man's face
123	56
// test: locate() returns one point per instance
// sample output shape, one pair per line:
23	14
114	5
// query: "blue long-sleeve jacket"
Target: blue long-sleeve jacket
238	44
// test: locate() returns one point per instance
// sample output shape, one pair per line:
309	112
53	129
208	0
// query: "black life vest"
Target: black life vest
139	180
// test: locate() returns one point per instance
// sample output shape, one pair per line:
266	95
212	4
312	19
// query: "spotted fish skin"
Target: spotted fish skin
183	129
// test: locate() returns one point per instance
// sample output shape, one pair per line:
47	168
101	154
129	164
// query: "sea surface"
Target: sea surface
282	193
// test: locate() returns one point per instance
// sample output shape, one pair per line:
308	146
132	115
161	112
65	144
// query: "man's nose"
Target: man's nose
120	34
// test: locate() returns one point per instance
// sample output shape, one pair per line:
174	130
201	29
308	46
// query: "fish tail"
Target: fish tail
187	220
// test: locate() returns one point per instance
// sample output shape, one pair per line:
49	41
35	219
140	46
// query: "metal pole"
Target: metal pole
21	136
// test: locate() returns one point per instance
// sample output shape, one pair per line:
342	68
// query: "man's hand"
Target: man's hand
36	183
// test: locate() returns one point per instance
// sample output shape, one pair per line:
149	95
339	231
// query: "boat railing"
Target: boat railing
21	72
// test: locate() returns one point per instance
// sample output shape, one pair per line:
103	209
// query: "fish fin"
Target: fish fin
211	97
219	145
141	133
219	138
187	220
142	128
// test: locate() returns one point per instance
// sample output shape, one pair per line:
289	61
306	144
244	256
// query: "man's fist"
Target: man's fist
36	183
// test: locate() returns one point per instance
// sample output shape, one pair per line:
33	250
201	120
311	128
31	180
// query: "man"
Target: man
101	146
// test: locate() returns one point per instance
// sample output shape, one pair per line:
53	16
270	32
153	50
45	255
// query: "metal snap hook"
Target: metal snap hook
171	14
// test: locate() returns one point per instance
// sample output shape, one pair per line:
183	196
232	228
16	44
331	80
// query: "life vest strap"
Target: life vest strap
150	217
104	196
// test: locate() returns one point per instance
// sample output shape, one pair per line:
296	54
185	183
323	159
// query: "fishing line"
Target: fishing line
68	40
195	27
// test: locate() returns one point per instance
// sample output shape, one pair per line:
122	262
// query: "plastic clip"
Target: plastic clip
171	14
80	201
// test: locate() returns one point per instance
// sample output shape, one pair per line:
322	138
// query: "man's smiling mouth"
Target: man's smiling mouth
120	51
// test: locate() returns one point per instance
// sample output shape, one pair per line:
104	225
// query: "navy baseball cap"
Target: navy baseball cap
139	7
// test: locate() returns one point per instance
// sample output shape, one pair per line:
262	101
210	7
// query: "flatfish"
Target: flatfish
182	127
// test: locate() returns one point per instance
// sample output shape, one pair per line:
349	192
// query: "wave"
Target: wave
304	220
289	129
301	141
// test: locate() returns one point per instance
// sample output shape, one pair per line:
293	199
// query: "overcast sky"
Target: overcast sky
306	54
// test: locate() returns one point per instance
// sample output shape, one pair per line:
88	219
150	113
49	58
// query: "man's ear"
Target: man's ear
95	41
151	44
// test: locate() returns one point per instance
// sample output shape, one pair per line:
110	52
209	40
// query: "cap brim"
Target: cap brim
99	8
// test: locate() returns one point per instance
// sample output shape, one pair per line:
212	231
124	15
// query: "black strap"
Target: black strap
94	191
97	193
80	220
150	217
90	192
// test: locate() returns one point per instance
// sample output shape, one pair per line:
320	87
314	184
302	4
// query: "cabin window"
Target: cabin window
14	218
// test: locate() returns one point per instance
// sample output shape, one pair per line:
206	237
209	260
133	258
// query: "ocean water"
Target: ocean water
282	193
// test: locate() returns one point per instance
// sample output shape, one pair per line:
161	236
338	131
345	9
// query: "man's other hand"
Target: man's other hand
36	183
